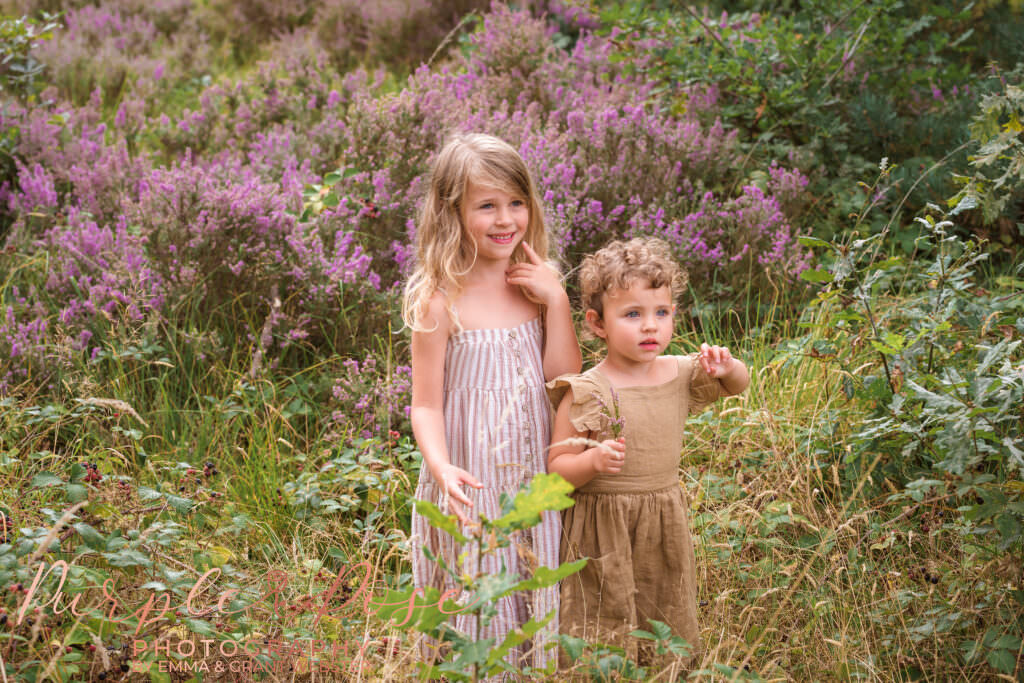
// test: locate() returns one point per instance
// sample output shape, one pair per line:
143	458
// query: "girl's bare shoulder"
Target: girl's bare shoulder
436	316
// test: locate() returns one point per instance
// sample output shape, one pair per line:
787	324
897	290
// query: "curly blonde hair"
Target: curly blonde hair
444	250
617	265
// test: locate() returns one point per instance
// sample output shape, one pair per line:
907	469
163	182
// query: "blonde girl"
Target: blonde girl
490	324
630	514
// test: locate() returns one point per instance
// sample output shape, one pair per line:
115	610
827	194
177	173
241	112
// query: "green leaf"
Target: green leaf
127	558
883	348
91	537
1007	642
809	241
894	340
517	637
546	492
1002	661
573	646
469	654
1009	529
181	505
812	275
439	520
76	493
425	617
44	479
332	178
544	576
490	587
199	626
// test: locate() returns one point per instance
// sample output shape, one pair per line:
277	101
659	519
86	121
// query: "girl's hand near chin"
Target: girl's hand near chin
536	277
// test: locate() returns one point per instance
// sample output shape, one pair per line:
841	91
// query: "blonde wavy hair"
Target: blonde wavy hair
444	250
617	265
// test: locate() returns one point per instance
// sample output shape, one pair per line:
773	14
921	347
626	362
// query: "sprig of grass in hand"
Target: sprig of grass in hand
615	420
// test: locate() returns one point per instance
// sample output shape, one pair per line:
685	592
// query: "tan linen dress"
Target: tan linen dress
633	526
497	428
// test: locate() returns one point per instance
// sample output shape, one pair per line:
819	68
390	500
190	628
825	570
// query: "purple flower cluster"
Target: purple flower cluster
371	402
152	210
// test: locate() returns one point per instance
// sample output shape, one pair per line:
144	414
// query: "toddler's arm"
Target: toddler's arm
427	413
577	463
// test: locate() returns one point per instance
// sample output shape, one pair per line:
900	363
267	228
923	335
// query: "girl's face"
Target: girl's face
637	323
495	220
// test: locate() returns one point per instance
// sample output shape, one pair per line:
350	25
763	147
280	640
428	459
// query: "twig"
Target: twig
444	41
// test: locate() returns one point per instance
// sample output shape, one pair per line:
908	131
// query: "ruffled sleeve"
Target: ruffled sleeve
704	389
585	409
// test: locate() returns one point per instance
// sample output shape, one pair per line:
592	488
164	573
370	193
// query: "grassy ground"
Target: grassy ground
803	575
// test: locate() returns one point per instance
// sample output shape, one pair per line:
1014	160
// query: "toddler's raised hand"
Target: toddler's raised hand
610	456
452	478
539	280
717	361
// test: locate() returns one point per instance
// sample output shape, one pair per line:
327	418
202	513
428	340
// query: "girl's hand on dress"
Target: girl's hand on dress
716	360
539	280
610	456
452	478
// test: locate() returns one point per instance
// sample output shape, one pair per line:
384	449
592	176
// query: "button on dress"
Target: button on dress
497	428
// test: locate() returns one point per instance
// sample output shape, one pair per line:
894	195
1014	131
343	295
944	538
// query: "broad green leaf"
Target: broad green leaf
546	492
127	558
814	275
493	586
44	479
199	626
469	654
1002	661
425	617
517	637
92	538
439	520
1007	642
1009	527
894	340
883	348
809	241
545	576
219	556
76	493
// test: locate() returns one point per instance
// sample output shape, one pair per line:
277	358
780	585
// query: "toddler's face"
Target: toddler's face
637	323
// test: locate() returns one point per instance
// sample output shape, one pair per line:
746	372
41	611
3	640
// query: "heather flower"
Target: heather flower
370	400
614	421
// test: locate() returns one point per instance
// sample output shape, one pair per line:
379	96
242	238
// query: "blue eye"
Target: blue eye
633	314
664	312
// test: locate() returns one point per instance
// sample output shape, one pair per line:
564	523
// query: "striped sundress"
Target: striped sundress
497	428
